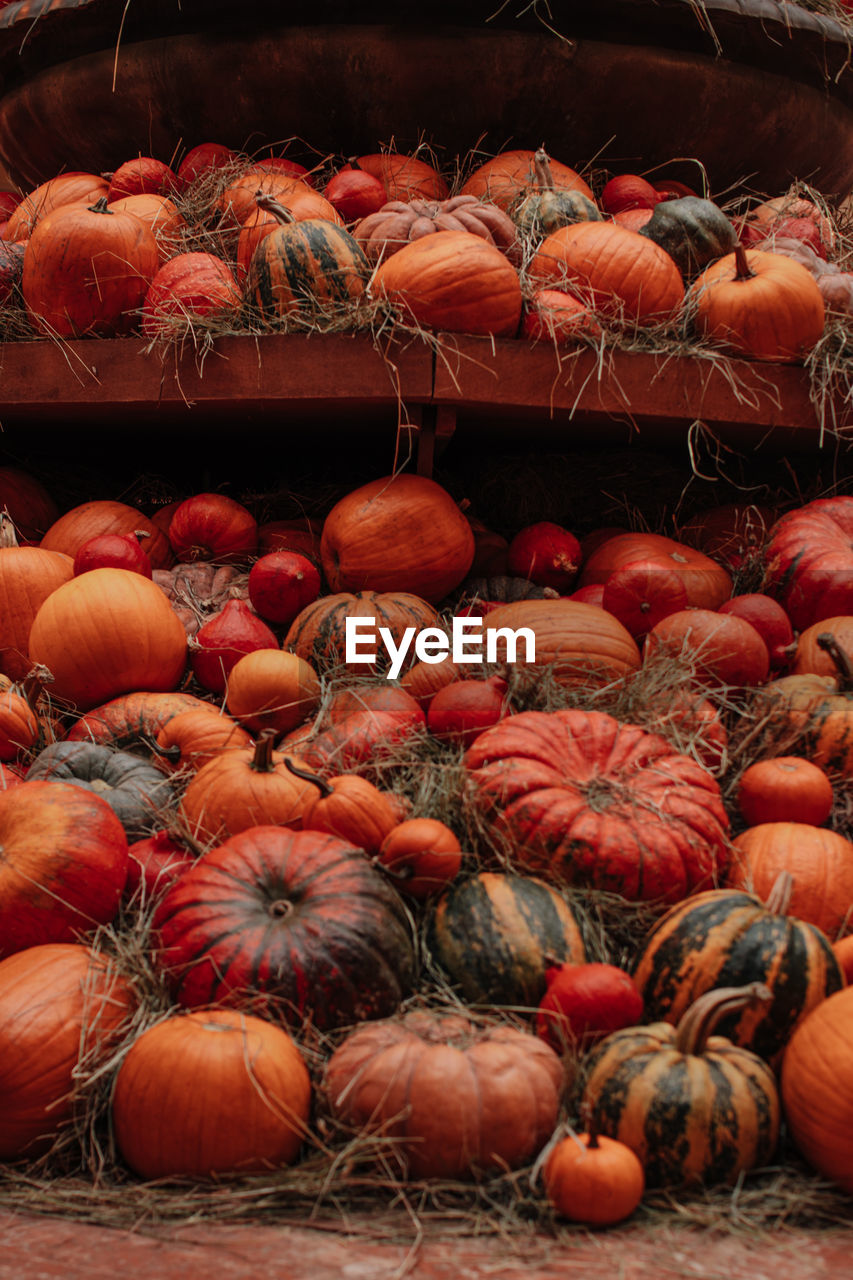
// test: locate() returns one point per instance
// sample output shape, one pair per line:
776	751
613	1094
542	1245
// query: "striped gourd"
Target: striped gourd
695	1108
304	264
495	935
318	633
725	938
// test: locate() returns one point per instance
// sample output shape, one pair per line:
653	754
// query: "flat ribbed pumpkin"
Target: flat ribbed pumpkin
452	280
622	273
576	796
107	632
399	533
726	938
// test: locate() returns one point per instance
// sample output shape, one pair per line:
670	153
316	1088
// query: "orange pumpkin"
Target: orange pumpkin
108	632
191	738
399	533
509	176
67	188
820	862
272	689
707	583
784	789
817	1087
103	515
722	647
348	806
404	177
422	855
161	215
578	642
592	1179
28	575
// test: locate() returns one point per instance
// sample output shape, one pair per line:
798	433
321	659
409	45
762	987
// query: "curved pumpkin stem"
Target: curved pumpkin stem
264	200
840	658
779	898
743	269
321	783
698	1023
542	169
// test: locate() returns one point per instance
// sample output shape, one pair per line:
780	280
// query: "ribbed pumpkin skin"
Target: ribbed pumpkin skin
295	922
707	583
578	642
27	577
64	864
304	264
808	563
66	188
508	175
576	796
455	281
817	1088
496	935
318	633
455	1098
107	632
693	1119
777	314
123	721
820	861
167	1104
230	794
625	274
102	515
61	1006
724	938
398	533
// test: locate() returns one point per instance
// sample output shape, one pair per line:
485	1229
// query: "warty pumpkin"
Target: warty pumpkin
696	1109
445	1096
398	222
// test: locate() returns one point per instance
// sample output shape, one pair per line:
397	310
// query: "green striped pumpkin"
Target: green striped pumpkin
302	265
695	1108
318	633
726	938
495	935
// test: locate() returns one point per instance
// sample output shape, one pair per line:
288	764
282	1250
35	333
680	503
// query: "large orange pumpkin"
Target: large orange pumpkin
577	642
318	632
708	584
167	1105
63	1009
455	281
399	533
623	274
817	1088
107	632
104	515
28	575
510	175
66	188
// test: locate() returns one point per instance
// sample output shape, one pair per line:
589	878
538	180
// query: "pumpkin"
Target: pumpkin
162	216
556	316
272	690
348	806
721	647
86	271
695	1108
143	175
63	1011
369	696
642	593
579	797
545	553
510	175
250	193
770	621
622	274
103	515
366	741
132	718
708	584
546	207
24	497
203	161
190	287
166	1103
199	589
65	189
808	564
445	1096
404	177
214	528
585	1002
819	861
108	632
727	938
136	791
396	223
626	191
421	855
761	305
462	709
577	643
318	634
843	950
495	935
115	551
398	533
191	738
354	193
28	575
153	863
453	281
281	584
816	709
64	864
19	726
220	642
301	203
730	532
304	265
817	1088
692	230
823	647
784	789
592	1179
295	923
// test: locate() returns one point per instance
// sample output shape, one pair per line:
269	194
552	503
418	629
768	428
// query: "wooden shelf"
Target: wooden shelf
462	385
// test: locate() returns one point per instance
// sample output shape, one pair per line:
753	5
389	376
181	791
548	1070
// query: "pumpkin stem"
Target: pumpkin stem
33	683
779	898
321	783
8	533
841	659
261	761
743	271
698	1023
268	202
172	753
100	206
542	169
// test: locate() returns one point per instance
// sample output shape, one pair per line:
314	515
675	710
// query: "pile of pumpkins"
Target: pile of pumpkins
183	735
523	247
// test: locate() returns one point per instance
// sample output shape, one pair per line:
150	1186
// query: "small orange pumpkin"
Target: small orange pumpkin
422	855
593	1179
